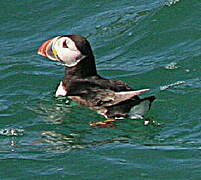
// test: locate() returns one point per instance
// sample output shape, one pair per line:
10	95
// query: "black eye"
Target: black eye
65	45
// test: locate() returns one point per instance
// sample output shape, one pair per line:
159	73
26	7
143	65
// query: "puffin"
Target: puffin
113	99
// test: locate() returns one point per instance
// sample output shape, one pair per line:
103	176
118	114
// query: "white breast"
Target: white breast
61	91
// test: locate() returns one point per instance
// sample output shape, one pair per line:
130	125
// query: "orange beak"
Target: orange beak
46	49
43	48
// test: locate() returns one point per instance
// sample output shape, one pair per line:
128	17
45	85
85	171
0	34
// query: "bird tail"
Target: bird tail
141	109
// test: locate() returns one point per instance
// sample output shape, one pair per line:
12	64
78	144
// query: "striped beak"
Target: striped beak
47	50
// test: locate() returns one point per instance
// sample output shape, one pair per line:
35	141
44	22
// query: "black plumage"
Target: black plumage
111	98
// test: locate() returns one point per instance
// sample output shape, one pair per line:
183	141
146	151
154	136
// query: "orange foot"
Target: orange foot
109	123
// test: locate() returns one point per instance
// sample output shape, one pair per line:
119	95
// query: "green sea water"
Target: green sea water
152	44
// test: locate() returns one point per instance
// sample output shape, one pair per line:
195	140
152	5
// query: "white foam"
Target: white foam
171	2
162	88
171	66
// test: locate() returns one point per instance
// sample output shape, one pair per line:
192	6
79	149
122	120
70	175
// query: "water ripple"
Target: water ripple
11	132
153	44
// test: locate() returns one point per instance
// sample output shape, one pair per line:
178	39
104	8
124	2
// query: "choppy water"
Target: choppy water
147	43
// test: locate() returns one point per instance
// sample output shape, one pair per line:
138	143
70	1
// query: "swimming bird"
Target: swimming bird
110	98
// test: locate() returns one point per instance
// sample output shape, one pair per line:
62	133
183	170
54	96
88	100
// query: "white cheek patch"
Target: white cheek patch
70	56
71	44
